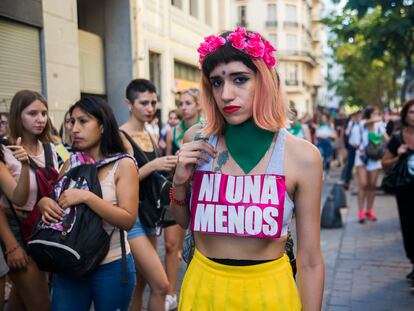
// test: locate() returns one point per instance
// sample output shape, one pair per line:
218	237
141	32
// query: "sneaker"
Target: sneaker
371	215
361	216
171	302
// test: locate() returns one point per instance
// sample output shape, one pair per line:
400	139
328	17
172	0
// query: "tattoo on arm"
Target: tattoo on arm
222	159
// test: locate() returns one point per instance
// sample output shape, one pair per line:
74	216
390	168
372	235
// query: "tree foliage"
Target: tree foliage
380	34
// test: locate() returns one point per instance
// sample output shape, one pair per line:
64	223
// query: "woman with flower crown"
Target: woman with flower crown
236	183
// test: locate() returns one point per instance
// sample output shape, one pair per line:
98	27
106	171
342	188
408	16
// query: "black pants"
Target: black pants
347	171
406	211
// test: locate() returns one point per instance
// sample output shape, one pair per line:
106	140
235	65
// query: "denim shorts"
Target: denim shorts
102	286
140	229
4	269
15	229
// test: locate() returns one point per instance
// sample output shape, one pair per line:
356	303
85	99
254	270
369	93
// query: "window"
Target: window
292	74
271	12
291	13
241	15
207	10
194	8
273	39
155	70
177	3
291	43
186	72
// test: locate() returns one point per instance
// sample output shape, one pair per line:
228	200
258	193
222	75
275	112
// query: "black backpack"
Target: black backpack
79	243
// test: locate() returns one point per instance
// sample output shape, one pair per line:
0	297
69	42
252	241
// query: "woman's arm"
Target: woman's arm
389	159
19	193
16	257
307	172
122	216
190	154
169	140
165	164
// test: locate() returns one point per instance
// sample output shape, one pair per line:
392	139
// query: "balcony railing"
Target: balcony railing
292	82
271	23
291	24
298	53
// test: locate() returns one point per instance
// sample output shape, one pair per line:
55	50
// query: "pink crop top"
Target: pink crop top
248	206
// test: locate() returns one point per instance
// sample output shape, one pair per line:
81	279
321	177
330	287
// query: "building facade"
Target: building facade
169	33
294	28
67	49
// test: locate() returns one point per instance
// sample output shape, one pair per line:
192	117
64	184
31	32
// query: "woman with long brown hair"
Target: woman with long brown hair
28	121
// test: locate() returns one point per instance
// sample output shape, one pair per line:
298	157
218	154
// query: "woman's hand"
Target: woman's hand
50	210
17	259
73	197
19	152
166	163
190	155
402	149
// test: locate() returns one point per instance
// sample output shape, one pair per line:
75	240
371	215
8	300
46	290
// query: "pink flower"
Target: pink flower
237	38
255	46
210	44
268	57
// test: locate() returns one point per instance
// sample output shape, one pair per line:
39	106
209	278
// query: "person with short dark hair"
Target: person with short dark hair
141	100
399	147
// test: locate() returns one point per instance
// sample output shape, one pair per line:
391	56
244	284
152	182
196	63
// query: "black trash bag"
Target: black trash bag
339	195
331	216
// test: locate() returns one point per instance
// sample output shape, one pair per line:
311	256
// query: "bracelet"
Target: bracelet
11	250
174	201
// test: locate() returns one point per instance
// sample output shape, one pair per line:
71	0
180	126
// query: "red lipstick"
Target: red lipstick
231	109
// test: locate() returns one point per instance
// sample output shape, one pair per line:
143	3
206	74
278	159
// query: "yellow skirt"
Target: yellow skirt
209	285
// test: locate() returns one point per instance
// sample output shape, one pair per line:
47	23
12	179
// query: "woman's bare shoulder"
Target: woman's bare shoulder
302	154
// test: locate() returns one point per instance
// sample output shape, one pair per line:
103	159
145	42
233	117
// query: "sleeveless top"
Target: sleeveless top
109	195
246	205
175	146
143	157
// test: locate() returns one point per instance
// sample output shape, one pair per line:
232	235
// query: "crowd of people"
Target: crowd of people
366	144
221	159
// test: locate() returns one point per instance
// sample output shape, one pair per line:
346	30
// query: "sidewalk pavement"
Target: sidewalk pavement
367	270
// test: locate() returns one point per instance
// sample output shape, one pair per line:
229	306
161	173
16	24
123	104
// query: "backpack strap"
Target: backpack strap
48	156
124	277
114	158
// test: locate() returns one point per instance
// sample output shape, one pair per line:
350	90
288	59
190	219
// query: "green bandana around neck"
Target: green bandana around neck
247	143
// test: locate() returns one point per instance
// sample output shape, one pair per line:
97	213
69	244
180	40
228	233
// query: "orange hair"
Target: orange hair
269	107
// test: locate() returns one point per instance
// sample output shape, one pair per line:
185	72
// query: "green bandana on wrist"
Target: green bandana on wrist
247	143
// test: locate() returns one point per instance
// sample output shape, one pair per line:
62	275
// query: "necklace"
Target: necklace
143	140
247	143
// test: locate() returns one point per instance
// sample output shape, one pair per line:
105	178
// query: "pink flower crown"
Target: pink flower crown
251	43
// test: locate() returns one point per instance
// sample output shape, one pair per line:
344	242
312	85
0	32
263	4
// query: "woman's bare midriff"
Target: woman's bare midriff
218	246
